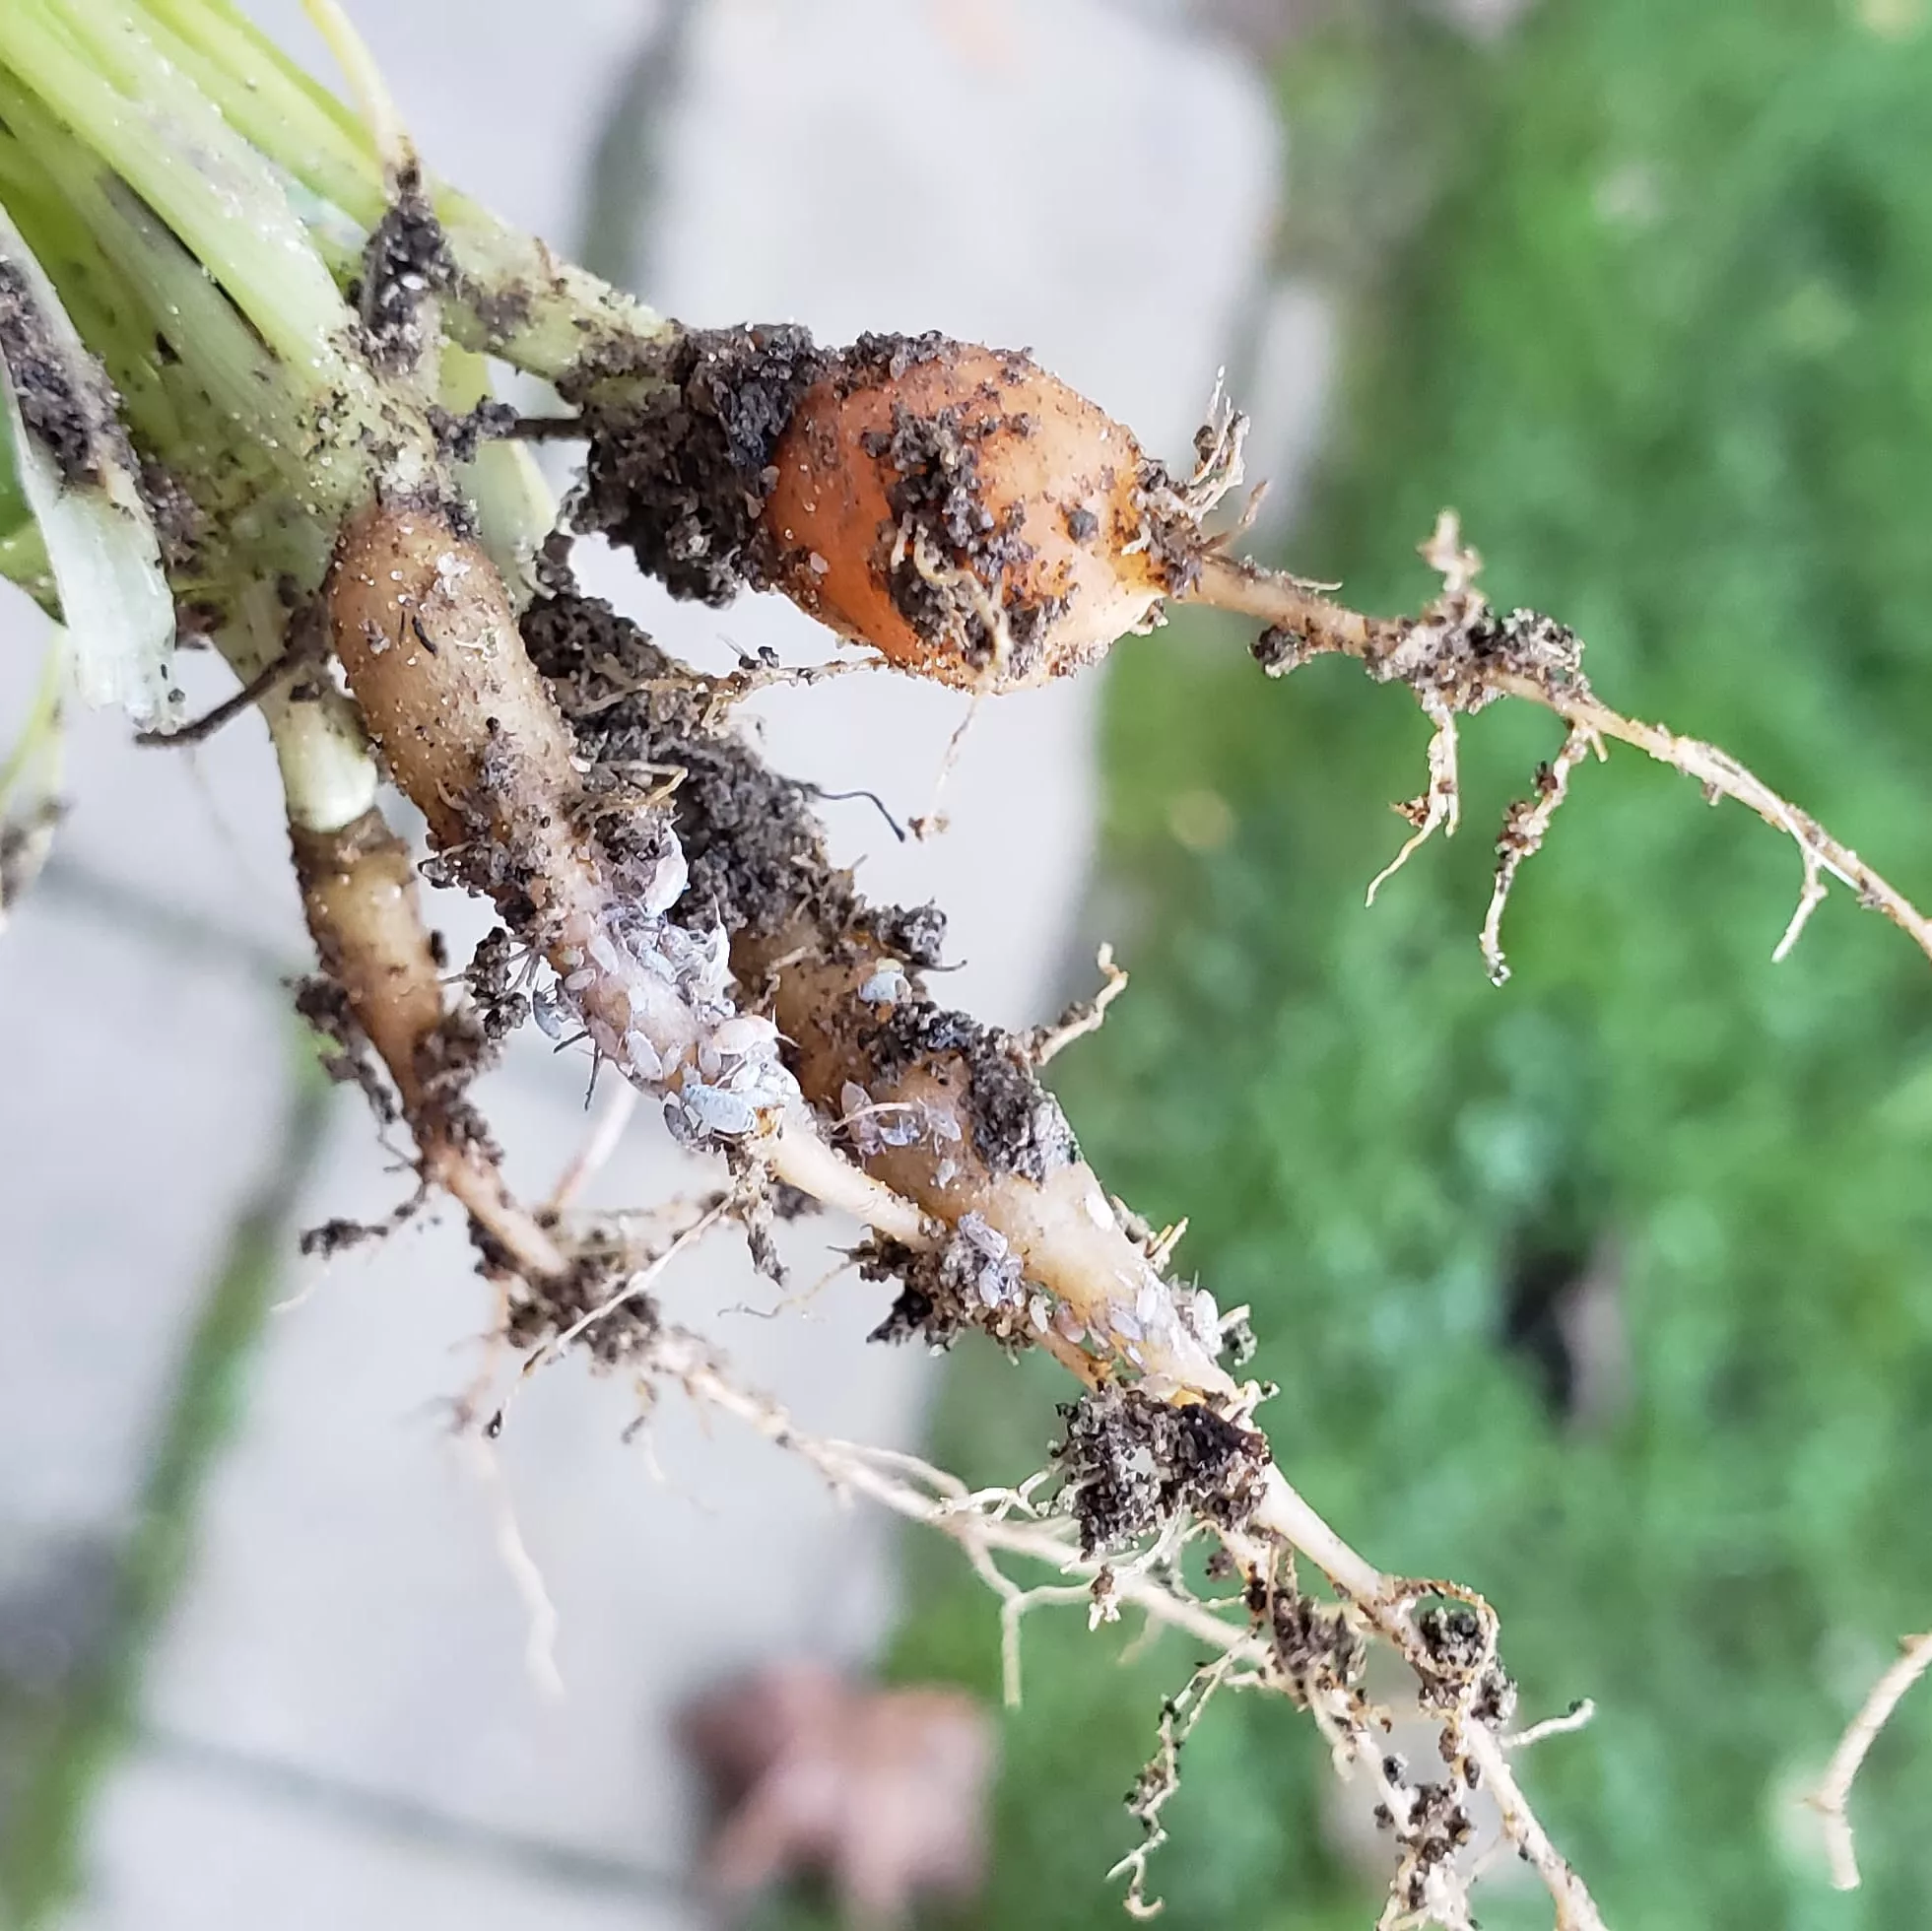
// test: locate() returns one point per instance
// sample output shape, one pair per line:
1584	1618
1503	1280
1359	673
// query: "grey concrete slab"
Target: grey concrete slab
203	826
137	1098
180	1847
352	1614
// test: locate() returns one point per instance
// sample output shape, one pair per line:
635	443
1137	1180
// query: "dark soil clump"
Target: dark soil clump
1313	1644
69	414
974	1279
750	835
680	458
616	1337
1131	1464
405	261
918	935
1017	1126
346	1056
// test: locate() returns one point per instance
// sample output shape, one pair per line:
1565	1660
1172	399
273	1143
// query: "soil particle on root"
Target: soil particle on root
1279	650
1130	1464
965	513
1312	1644
974	1279
680	459
460	436
750	836
922	1310
491	979
405	261
176	516
1017	1124
1452	1635
71	415
345	1055
448	1060
1457	656
337	1237
917	935
540	1314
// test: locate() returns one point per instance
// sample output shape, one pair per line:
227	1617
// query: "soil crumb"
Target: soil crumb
1130	1464
405	261
69	413
679	469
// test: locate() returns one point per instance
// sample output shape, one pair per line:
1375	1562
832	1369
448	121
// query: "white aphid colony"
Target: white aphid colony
654	999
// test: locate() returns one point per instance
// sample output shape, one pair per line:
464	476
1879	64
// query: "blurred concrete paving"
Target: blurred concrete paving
339	1723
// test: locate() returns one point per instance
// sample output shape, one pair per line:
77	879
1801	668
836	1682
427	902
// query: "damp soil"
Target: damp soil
1017	1124
1131	1464
757	854
69	412
680	455
404	262
750	835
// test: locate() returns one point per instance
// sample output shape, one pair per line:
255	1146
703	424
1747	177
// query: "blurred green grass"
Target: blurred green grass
1646	291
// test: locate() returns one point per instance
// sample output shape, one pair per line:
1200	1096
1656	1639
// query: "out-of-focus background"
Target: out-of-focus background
1610	1291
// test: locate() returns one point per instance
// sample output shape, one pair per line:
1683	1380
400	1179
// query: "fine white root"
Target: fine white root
1461	654
542	1623
798	1154
1046	1042
1160	1779
1441	804
1578	1717
990	1525
600	1143
1524	826
638	1285
1834	1791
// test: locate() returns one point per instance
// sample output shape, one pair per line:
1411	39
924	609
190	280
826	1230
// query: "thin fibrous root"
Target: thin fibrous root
1466	655
991	1524
591	1157
1835	1786
1160	1780
638	1285
1524	826
272	676
1441	804
1578	1716
1046	1043
1386	1604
